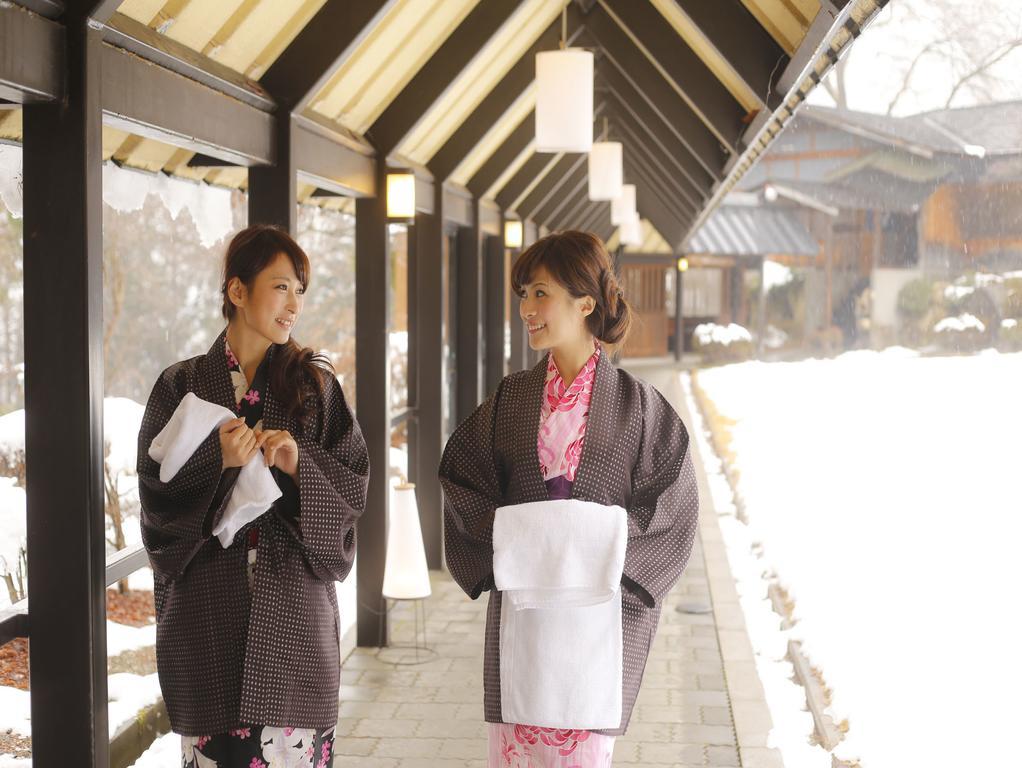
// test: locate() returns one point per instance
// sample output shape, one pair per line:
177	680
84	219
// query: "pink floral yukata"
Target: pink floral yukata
562	428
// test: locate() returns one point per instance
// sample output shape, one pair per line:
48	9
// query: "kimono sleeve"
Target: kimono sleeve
664	508
333	475
472	493
178	516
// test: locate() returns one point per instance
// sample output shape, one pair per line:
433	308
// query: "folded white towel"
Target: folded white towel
558	565
189	426
565	552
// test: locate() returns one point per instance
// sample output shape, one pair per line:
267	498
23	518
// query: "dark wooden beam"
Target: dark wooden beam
436	75
649	205
629	104
573	187
549	184
736	34
503	156
639	142
621	51
666	186
497	102
154	102
319	49
531	169
332	161
687	74
146	43
31	56
372	323
63	307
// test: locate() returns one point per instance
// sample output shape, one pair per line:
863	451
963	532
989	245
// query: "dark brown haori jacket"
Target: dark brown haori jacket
635	455
227	654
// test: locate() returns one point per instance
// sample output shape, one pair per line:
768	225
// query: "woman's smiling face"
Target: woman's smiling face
552	316
273	303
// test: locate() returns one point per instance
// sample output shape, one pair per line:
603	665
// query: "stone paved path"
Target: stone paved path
701	702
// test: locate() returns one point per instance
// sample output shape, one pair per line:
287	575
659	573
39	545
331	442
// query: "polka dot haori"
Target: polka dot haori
635	454
233	656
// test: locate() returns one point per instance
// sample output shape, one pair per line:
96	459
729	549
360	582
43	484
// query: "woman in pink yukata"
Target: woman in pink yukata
575	426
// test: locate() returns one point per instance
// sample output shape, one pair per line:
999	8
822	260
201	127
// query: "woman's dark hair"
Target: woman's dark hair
579	261
297	373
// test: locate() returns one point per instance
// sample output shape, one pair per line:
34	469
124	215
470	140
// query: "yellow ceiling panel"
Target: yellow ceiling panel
257	32
387	59
717	62
142	11
10	124
144	154
235	177
510	171
496	136
112	140
787	21
195	22
482	74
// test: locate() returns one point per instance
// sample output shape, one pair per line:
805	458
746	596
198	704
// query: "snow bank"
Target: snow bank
712	333
963	322
881	488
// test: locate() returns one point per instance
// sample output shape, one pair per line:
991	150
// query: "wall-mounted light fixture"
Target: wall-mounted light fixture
400	195
513	233
682	264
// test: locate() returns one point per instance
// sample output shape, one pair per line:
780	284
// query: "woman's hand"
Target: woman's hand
237	443
279	450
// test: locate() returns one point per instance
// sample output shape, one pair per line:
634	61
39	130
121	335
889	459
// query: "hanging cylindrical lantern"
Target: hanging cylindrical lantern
623	207
564	101
631	231
606	175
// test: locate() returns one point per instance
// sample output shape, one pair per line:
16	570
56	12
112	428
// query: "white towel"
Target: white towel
189	426
558	565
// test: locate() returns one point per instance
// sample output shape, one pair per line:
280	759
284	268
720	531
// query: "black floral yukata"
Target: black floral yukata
257	746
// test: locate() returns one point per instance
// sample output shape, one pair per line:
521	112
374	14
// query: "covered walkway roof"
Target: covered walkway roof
198	88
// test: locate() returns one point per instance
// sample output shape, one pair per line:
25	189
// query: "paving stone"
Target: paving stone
356	746
371	727
408	747
726	757
760	757
706	734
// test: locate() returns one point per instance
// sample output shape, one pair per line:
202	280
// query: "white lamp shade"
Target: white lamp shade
622	208
606	174
512	233
564	101
401	195
405	575
631	231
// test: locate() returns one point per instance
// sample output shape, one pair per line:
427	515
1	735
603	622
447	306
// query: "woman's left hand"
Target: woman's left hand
280	450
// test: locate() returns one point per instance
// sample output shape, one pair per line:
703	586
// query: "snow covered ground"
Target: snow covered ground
880	486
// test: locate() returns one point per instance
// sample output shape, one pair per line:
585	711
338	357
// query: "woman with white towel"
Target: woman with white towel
574	428
247	639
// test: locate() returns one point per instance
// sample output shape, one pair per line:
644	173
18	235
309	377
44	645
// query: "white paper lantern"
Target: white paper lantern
606	174
622	208
405	575
564	101
631	231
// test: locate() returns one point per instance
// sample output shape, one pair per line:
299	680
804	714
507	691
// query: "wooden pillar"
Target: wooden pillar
494	303
427	326
470	316
273	189
372	325
63	300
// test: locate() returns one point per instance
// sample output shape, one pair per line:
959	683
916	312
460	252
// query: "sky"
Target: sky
942	30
